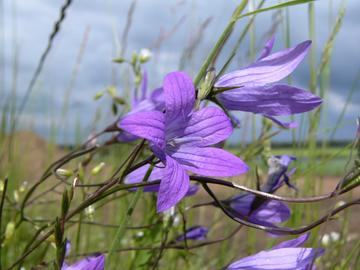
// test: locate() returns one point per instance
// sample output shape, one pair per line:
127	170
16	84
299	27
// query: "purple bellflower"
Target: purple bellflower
155	101
267	213
194	233
181	139
258	91
261	211
287	255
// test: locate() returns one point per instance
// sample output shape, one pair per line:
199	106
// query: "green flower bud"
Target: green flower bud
97	168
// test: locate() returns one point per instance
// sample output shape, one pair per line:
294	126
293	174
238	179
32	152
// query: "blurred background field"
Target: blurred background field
61	112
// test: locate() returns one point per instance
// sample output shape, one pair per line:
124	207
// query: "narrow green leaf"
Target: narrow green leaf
116	243
282	5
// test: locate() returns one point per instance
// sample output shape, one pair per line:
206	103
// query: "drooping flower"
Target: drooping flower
287	255
194	233
259	210
95	262
278	173
268	213
258	91
181	139
154	101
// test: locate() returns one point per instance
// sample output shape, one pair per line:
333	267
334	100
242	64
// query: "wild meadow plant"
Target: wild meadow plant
179	131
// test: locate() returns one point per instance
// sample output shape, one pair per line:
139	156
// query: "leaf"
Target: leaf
282	5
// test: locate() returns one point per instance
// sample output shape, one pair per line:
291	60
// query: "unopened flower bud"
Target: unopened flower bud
134	58
64	172
89	212
9	230
144	55
23	186
112	91
119	60
16	196
98	95
97	168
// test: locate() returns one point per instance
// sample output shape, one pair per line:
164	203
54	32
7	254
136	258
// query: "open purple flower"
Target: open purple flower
95	262
258	90
181	139
194	233
155	101
287	255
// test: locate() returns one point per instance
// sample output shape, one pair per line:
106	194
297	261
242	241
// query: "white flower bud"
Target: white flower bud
145	55
64	173
16	196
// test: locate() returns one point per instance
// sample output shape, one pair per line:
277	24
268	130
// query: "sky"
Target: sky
94	29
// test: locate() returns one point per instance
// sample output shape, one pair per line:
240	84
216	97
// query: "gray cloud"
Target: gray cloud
106	21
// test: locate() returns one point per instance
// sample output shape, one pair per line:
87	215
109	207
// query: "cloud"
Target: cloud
107	18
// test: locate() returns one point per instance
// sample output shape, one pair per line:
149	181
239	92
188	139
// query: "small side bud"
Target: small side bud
9	231
119	60
98	95
64	172
23	186
89	212
16	195
145	55
207	84
134	58
97	168
112	91
2	186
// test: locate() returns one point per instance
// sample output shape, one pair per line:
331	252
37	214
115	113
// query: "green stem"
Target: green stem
125	219
210	60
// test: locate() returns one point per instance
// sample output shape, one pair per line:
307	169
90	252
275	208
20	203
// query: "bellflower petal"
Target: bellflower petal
194	233
96	262
144	105
286	125
278	259
278	99
272	212
268	212
193	189
209	161
137	176
149	125
269	69
126	137
174	185
157	97
205	127
179	93
296	242
267	49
